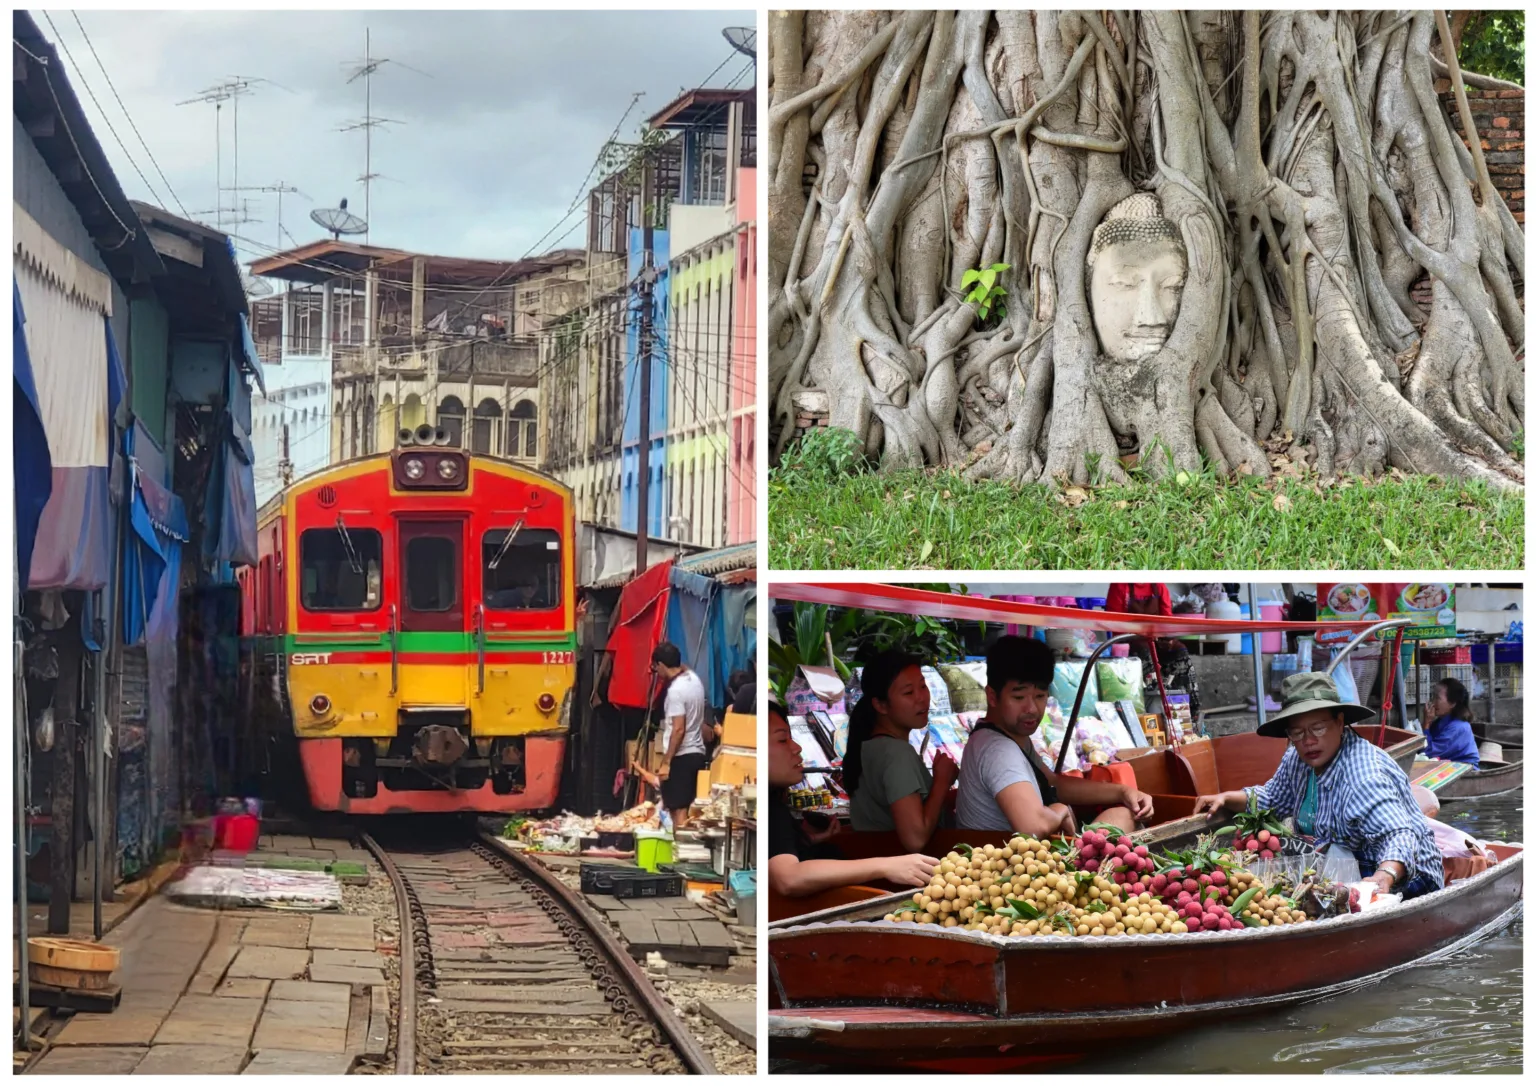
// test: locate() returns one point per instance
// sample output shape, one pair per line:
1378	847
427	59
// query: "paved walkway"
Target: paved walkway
242	990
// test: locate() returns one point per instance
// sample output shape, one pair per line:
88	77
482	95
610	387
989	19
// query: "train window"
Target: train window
523	575
431	573
333	579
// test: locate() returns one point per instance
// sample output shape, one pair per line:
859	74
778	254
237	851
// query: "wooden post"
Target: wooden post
61	847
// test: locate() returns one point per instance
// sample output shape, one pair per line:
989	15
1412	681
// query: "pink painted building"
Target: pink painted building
741	507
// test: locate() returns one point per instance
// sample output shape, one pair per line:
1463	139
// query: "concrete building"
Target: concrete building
295	409
399	339
703	362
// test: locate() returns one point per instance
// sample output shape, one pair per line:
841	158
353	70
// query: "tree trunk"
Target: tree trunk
1303	157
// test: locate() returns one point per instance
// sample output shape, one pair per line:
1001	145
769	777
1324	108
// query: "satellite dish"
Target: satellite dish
743	39
338	220
254	287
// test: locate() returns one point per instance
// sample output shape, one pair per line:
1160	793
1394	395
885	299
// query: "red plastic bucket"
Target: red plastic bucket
238	833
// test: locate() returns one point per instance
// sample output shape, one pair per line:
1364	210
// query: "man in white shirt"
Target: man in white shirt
1002	787
686	715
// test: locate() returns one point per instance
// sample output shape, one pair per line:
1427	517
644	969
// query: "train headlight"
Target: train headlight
319	704
414	468
546	703
447	469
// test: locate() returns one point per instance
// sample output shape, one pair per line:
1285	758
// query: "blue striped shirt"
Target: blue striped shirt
1364	804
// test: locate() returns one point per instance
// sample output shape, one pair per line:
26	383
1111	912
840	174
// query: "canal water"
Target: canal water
1462	1014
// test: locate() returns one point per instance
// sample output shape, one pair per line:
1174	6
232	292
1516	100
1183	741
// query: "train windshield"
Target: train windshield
341	572
431	573
523	575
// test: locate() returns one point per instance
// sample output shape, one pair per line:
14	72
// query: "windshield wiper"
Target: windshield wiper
346	541
501	552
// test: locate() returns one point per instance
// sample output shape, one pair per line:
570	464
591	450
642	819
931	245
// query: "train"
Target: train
412	624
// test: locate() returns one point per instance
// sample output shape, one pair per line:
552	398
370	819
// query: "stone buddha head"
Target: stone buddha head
1137	267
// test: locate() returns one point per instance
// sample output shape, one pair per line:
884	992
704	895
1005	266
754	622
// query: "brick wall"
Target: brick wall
1499	116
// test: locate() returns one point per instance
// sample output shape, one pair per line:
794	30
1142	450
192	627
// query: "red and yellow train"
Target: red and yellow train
414	613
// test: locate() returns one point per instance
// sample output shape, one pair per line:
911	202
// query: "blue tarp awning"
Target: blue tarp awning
709	623
159	528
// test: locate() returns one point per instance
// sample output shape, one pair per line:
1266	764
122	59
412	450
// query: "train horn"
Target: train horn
425	434
407	436
442	437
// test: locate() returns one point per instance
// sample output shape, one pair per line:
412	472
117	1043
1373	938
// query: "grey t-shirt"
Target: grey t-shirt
992	762
892	769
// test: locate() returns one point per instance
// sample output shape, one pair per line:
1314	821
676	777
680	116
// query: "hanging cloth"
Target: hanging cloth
636	632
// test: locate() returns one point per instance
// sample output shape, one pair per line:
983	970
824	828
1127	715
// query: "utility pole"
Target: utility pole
647	282
285	465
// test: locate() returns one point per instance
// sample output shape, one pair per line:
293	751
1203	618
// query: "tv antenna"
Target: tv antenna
743	39
338	220
254	287
365	71
231	90
229	216
279	187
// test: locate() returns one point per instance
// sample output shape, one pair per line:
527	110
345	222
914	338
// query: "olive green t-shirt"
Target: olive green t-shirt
892	769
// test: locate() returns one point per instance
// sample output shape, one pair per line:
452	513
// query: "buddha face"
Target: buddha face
1135	288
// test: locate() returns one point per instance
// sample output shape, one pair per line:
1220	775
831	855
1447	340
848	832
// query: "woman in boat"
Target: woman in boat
1449	737
801	862
890	787
1342	789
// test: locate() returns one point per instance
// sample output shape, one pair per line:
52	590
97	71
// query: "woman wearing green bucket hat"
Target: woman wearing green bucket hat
1342	789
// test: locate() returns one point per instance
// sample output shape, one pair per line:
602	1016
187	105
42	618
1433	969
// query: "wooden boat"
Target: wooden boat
1504	734
914	996
1490	779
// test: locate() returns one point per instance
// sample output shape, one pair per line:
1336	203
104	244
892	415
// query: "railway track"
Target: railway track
504	969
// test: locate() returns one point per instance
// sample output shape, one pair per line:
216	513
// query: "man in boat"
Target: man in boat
1342	789
1003	786
801	862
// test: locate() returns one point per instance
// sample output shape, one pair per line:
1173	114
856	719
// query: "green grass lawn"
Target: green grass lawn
937	520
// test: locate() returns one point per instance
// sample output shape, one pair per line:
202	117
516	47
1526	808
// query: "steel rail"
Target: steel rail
405	1034
683	1043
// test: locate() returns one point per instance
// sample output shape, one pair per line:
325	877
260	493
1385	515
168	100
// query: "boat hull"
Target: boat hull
919	996
1485	782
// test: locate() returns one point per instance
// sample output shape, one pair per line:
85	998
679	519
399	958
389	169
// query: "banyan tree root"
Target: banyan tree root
1258	190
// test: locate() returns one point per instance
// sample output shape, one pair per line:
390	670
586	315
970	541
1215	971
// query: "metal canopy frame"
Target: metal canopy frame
901	599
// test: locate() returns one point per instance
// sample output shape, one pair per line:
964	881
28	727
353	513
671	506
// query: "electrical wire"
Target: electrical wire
142	142
80	75
43	62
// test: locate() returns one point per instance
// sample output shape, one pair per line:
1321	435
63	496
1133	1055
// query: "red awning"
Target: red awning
951	605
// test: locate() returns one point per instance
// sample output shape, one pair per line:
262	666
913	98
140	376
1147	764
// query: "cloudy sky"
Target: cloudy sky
496	138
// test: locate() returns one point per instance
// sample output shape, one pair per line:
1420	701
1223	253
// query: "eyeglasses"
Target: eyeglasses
1316	731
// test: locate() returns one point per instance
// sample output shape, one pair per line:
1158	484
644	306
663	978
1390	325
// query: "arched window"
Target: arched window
450	417
486	421
523	431
389	421
356	428
370	425
339	444
412	413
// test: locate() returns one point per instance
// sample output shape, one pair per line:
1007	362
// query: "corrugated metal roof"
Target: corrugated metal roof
728	565
741	556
